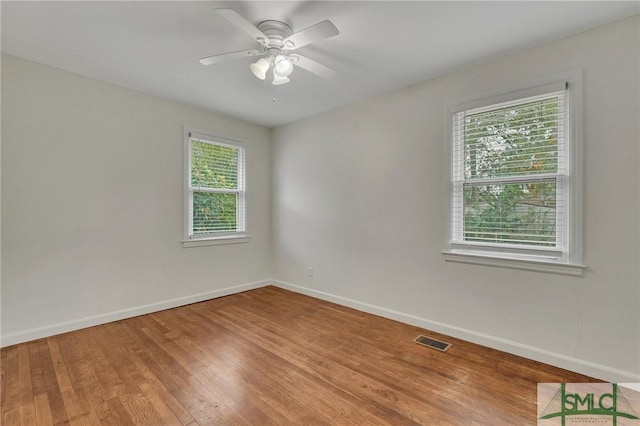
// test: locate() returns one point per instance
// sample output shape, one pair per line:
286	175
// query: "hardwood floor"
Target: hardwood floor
266	356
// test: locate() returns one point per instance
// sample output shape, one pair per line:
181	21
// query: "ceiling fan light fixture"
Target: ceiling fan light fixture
260	68
283	66
275	41
277	80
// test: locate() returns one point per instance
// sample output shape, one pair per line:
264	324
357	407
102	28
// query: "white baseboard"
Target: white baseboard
587	368
63	327
577	365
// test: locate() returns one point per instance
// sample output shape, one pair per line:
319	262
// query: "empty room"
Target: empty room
320	212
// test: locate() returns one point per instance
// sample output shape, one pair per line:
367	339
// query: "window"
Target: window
214	190
515	180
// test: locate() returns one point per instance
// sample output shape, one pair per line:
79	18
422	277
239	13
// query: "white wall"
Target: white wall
360	195
92	204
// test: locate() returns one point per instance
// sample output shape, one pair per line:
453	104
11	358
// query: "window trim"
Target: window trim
544	260
209	239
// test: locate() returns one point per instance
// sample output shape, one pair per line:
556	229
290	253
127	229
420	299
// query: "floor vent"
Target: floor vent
432	343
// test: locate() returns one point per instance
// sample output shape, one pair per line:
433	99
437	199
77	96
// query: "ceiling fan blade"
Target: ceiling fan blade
314	67
246	26
317	32
219	58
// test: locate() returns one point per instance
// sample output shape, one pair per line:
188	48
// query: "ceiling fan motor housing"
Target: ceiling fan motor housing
276	32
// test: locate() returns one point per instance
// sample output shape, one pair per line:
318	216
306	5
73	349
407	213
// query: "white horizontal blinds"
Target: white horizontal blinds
216	187
509	172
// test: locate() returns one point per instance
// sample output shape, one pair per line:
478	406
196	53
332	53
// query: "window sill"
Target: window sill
527	264
216	241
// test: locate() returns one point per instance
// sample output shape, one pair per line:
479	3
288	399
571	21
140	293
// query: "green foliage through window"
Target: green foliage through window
511	213
216	185
214	212
214	166
510	168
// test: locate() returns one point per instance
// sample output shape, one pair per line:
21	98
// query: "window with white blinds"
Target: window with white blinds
215	190
511	175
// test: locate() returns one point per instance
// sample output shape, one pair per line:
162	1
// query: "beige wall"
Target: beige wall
92	203
360	195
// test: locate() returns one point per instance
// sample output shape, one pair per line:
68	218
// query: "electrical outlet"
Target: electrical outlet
310	271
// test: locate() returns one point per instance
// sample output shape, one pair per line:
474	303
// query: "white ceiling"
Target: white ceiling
154	46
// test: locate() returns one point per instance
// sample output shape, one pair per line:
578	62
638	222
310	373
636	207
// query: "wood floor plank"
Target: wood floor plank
74	406
265	357
43	410
27	402
38	381
11	417
10	381
59	414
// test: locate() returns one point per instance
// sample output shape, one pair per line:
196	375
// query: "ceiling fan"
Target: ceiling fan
276	40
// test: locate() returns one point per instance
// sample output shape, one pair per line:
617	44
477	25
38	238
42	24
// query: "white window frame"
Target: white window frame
239	236
566	258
